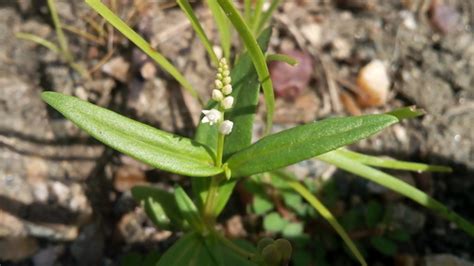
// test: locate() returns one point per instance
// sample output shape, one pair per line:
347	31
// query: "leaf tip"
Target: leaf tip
407	112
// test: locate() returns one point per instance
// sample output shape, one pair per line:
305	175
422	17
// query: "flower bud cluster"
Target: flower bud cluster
221	94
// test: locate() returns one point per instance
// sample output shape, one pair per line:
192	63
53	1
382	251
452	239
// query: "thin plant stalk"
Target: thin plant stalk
223	26
188	11
133	36
397	185
258	58
319	206
257	16
267	15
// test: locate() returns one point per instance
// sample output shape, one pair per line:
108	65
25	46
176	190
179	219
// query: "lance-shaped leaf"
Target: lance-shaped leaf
155	147
303	142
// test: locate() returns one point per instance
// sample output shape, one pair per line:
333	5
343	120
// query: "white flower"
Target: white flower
227	89
226	127
219	84
226	73
211	116
217	95
228	102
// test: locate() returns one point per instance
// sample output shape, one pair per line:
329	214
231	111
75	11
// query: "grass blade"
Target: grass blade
390	163
320	208
188	11
282	58
257	56
268	14
256	16
36	39
223	26
397	185
134	37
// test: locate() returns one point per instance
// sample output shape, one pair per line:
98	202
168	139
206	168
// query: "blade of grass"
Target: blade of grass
59	31
282	58
257	16
223	27
320	208
247	10
257	56
268	14
390	163
134	37
188	11
36	39
397	185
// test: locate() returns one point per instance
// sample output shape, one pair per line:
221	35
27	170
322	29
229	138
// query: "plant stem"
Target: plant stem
210	203
59	31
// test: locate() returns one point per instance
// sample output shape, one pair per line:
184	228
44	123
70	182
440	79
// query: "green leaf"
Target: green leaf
155	147
303	142
188	11
190	250
261	205
397	185
223	26
292	230
258	58
295	202
282	58
273	222
384	245
245	92
160	206
392	164
188	209
374	213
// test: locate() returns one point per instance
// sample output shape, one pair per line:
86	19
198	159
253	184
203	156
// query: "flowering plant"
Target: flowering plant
222	152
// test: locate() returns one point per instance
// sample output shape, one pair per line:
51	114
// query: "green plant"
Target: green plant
62	48
221	152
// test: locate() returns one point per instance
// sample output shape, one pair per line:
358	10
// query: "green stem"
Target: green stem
257	16
319	206
210	203
258	58
267	14
59	31
397	185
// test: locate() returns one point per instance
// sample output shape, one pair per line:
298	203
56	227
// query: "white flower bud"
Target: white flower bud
217	95
227	89
218	84
211	116
226	127
226	73
223	62
226	80
228	102
219	76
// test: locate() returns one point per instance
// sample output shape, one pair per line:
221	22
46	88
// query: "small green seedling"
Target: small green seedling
222	153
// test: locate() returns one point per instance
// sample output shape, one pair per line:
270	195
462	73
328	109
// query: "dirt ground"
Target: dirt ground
64	198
